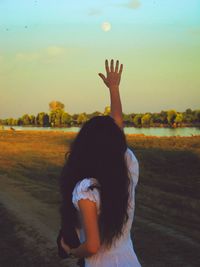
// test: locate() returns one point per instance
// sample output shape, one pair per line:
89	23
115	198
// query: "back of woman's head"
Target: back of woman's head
98	152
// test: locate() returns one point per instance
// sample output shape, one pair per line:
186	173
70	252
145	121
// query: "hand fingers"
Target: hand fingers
111	66
64	246
107	67
121	69
102	76
117	66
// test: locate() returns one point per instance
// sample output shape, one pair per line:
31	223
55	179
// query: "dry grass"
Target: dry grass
167	197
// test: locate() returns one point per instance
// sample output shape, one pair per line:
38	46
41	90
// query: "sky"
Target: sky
54	50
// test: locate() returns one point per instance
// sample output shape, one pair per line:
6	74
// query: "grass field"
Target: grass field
166	229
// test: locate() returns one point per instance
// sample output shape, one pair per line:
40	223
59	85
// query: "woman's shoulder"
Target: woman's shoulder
85	185
87	188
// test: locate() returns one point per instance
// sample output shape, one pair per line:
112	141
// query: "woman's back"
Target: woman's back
121	253
101	220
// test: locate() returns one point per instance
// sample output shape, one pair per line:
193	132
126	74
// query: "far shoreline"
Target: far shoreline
73	134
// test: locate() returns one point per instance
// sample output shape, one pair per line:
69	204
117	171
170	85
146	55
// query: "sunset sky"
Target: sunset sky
54	50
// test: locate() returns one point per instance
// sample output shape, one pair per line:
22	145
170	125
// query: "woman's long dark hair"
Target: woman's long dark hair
98	151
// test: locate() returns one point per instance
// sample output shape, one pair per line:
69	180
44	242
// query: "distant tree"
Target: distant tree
179	118
197	115
39	118
107	110
188	111
82	118
26	119
15	122
42	119
66	119
188	117
58	117
55	117
127	118
75	116
171	115
10	121
46	120
20	122
163	117
54	105
145	120
74	119
137	120
131	116
32	119
6	121
156	118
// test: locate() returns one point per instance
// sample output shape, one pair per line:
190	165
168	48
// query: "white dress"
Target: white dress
122	253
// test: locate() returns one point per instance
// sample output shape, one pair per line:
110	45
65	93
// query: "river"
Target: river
187	131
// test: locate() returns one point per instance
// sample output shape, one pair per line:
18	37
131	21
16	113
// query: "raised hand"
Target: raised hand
113	73
112	81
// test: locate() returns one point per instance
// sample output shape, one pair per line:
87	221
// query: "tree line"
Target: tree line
58	117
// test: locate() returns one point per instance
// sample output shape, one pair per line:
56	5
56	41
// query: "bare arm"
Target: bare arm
90	223
112	81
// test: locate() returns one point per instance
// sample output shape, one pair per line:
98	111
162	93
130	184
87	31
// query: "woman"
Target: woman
98	186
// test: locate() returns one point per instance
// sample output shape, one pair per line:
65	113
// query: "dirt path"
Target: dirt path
38	223
32	215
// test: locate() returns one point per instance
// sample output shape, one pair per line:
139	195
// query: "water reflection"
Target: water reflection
187	131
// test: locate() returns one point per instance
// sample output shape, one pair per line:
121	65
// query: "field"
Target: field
166	229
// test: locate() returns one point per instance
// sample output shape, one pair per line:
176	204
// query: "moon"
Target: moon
106	26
